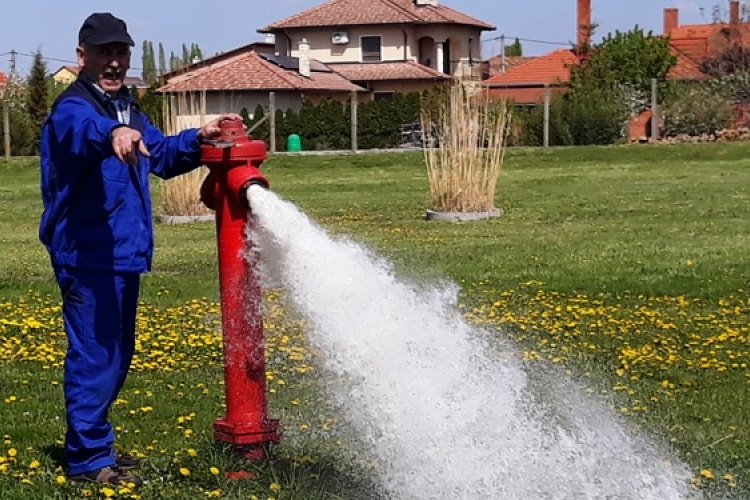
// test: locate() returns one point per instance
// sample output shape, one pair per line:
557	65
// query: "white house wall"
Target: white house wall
464	42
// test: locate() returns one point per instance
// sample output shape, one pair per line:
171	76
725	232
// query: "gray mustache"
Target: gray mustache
111	73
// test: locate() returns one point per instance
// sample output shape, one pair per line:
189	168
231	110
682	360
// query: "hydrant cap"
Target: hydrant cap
231	130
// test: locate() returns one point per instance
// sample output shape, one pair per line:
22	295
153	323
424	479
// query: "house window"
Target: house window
383	96
371	48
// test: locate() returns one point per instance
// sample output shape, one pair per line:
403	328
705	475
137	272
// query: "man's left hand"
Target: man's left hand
212	129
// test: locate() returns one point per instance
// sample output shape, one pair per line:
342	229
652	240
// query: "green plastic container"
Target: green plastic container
294	143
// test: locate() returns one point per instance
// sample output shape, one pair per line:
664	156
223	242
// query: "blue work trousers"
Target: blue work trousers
99	312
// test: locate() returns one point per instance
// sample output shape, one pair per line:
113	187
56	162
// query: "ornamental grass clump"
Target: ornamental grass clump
464	147
180	196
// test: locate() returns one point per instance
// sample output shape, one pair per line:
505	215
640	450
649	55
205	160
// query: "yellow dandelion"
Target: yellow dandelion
275	487
214	471
707	473
108	492
184	471
34	464
61	479
12	452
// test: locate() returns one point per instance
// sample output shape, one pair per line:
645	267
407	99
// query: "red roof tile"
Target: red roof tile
686	67
547	69
369	12
495	63
250	71
385	71
692	45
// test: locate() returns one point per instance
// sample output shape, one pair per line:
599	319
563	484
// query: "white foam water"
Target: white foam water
446	413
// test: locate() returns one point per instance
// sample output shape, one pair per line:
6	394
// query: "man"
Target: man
96	153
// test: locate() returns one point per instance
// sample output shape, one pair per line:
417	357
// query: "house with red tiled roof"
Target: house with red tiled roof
244	79
525	84
373	48
386	46
691	44
694	44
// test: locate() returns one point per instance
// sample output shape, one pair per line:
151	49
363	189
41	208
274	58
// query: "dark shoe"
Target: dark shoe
126	462
108	475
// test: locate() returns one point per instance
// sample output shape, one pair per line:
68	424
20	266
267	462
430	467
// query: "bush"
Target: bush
580	117
695	109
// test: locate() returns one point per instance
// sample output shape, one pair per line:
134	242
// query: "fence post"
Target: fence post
6	127
354	121
272	118
546	114
654	111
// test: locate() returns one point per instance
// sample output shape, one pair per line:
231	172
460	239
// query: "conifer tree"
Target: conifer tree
195	53
162	60
174	62
515	49
36	100
185	55
148	73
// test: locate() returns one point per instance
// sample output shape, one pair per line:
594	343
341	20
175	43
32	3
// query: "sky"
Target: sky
51	26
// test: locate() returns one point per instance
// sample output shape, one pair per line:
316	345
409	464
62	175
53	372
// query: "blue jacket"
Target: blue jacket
97	209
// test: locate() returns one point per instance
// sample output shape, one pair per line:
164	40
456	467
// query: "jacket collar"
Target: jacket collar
104	98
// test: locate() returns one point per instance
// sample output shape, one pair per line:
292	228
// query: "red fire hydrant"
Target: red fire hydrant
233	161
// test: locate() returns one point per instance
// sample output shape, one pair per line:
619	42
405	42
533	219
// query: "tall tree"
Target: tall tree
185	55
174	62
148	72
162	60
195	53
630	59
515	49
36	99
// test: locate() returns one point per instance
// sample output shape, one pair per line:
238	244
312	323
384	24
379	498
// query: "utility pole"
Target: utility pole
13	55
6	125
6	110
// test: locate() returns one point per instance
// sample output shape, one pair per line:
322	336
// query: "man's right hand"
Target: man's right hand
127	143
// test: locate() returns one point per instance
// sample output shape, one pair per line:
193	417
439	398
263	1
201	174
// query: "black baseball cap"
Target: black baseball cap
102	28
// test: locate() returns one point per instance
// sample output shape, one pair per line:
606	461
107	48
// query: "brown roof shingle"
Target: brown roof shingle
386	71
250	71
547	69
372	12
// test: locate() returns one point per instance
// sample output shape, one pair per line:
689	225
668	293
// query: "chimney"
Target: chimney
734	21
426	2
734	12
304	58
671	20
584	25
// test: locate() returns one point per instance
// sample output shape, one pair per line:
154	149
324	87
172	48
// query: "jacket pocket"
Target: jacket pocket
113	170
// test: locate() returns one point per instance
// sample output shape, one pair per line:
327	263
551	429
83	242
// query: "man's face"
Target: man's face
106	64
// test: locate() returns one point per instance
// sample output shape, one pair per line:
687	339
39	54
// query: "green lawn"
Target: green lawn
628	266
